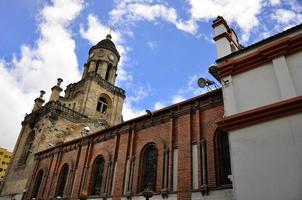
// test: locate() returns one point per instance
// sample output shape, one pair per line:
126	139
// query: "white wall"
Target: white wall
214	195
267	160
255	88
294	63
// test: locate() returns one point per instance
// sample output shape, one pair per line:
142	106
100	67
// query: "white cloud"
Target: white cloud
243	14
275	2
38	67
188	91
130	12
284	16
130	110
151	44
177	99
158	105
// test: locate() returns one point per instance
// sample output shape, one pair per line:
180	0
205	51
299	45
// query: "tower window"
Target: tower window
108	72
223	163
149	168
102	105
62	181
97	176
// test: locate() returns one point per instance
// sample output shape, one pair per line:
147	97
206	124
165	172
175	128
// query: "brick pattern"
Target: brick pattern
179	131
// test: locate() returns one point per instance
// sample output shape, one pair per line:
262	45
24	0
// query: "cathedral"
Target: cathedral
241	141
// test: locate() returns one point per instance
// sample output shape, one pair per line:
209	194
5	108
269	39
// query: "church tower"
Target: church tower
91	104
96	95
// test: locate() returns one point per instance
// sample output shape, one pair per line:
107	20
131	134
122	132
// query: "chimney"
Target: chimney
225	38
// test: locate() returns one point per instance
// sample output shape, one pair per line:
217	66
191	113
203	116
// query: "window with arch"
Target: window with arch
108	72
102	105
97	176
62	181
27	149
37	184
223	164
149	168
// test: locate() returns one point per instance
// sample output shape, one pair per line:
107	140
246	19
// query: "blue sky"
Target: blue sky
166	45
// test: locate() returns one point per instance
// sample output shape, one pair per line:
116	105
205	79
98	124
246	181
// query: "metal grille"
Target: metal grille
224	158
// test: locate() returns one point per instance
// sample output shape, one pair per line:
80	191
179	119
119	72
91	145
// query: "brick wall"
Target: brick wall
178	126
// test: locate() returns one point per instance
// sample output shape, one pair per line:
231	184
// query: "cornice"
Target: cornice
260	56
200	103
262	114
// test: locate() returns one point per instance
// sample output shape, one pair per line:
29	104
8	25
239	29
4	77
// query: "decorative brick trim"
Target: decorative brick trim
220	20
265	54
228	37
262	114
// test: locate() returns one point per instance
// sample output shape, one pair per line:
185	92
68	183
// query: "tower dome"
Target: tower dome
106	44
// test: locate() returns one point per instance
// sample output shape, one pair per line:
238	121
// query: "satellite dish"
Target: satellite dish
202	82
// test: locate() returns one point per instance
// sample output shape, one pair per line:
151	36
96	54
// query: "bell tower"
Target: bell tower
96	95
103	60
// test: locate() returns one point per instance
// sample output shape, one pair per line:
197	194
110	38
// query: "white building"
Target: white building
262	92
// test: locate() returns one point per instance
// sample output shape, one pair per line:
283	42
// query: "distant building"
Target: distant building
5	157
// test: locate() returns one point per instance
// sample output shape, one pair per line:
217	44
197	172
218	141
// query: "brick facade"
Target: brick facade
176	127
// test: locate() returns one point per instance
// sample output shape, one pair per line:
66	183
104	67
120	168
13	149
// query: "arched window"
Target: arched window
149	168
27	149
62	181
102	105
108	72
97	176
223	164
37	184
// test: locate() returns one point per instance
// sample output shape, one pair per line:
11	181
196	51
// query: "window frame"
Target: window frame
143	185
222	158
37	184
93	177
102	106
61	189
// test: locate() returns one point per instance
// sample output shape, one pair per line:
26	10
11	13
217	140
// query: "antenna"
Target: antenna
203	82
213	70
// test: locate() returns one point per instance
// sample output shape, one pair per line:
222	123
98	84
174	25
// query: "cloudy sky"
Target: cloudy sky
166	45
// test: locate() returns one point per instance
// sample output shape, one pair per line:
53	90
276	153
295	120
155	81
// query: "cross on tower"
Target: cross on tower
110	30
